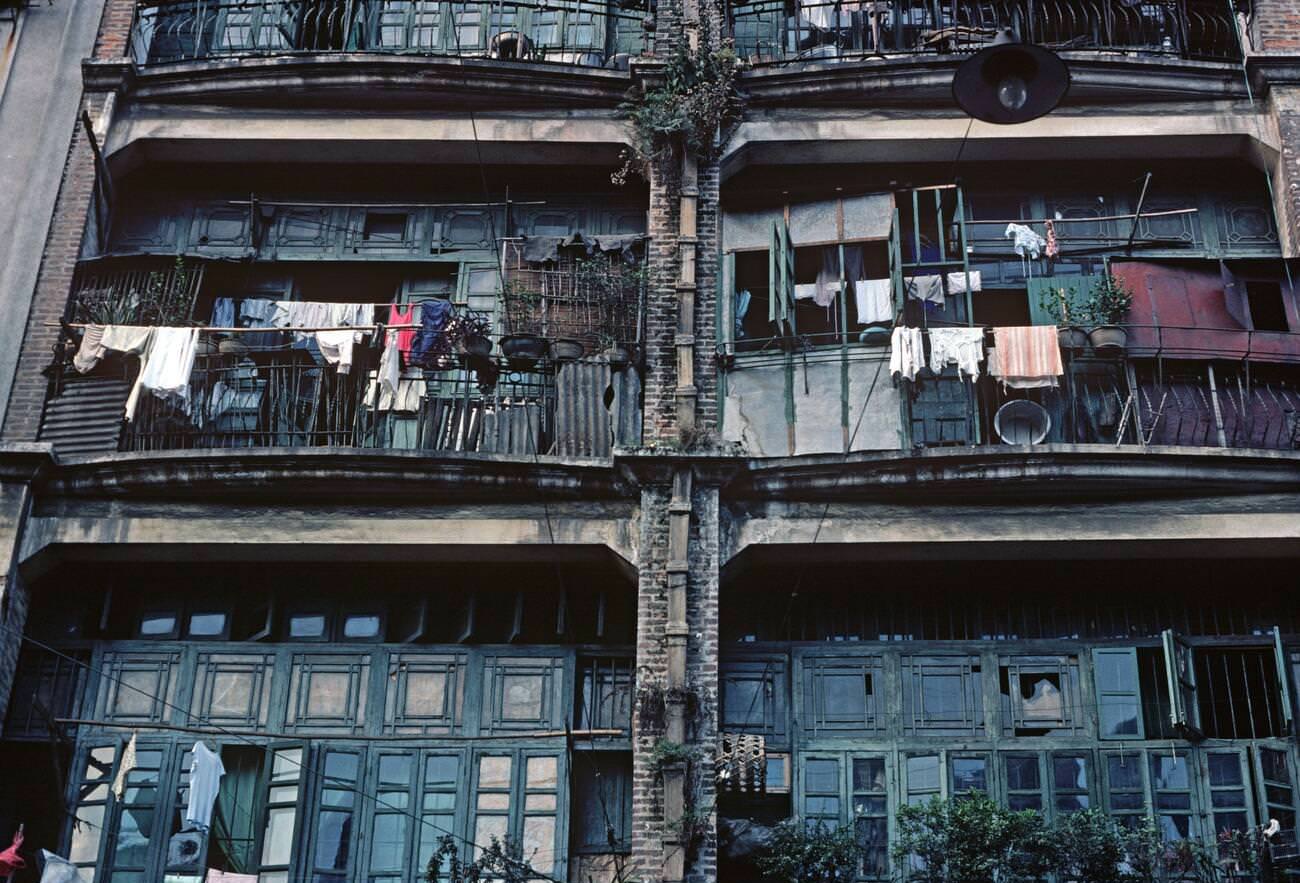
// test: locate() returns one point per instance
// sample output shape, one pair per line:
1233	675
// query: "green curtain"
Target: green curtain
234	829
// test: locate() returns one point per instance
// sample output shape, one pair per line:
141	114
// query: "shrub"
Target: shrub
817	854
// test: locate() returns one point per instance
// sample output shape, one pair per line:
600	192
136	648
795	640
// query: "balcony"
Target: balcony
579	33
776	31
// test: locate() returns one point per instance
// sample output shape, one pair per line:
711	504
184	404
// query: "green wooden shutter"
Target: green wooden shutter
1049	287
1115	678
1180	673
1284	685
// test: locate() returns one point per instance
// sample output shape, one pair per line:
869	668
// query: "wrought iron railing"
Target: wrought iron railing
588	33
776	31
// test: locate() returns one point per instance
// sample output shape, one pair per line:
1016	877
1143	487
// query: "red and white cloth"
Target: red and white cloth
1027	356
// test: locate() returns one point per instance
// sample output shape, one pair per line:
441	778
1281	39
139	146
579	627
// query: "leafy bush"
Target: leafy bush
973	840
817	854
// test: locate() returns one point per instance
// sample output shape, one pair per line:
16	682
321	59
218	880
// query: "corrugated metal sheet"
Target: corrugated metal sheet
86	417
595	408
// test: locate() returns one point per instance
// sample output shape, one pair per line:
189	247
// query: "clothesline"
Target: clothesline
1177	211
264	330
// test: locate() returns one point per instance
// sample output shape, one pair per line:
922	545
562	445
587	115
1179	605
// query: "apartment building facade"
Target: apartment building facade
692	502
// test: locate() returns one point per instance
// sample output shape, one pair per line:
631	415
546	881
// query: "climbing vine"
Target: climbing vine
694	107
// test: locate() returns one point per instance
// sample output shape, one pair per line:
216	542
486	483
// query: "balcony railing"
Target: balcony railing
775	31
587	33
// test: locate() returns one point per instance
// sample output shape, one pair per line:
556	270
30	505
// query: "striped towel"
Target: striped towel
1028	356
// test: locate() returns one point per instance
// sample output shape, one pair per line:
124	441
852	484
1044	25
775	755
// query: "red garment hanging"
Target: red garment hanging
405	336
10	860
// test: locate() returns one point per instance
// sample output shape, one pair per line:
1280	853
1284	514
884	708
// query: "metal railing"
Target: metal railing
777	31
587	33
290	401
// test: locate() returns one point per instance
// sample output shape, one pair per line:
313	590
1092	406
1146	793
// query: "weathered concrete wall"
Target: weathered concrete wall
39	100
754	412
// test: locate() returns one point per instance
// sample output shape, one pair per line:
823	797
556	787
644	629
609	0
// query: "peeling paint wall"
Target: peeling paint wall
755	411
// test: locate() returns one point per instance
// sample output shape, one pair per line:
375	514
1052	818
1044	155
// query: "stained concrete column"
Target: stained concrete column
20	468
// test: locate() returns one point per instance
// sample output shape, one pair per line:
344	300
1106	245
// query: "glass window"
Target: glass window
1279	789
92	799
840	693
923	778
335	819
1171	785
438	803
1070	782
1115	673
942	694
361	625
207	625
1125	789
492	799
821	785
969	774
1226	776
871	814
307	625
1024	781
158	625
605	694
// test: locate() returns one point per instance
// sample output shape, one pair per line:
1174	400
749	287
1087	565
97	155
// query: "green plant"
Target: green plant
159	297
695	106
501	861
1091	847
667	752
973	840
811	854
1109	300
1064	304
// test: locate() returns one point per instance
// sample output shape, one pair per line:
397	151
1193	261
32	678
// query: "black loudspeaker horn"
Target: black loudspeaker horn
1010	82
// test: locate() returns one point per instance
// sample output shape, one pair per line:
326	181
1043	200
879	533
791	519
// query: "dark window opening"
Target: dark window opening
1154	693
232	847
384	227
602	801
1267	311
752	272
1237	695
1000	308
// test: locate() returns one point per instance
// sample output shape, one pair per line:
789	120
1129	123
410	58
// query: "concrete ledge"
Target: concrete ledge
1022	473
368	80
333	473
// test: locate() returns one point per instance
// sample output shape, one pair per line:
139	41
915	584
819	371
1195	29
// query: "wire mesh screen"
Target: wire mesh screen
594	299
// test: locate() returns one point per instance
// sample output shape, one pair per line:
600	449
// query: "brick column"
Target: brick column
677	669
63	244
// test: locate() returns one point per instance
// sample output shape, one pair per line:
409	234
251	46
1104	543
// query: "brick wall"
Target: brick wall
53	283
661	311
114	29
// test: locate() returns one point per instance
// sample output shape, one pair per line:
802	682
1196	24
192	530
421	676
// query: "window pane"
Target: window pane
85	837
333	838
941	696
1274	764
157	624
494	801
541	772
1072	802
1124	772
539	842
923	773
133	832
1022	773
845	695
873	837
822	806
327	695
1119	716
521	697
279	835
287	765
207	624
539	803
389	842
1225	769
341	765
968	774
1025	801
1169	772
307	626
1040	696
366	626
426	693
1127	801
1070	773
395	769
868	774
442	769
494	772
822	776
741	702
487	827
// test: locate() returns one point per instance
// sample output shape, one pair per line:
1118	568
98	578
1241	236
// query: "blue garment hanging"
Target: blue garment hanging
431	340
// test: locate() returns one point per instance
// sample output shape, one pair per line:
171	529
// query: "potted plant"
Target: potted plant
564	349
1066	307
523	351
469	331
1108	304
